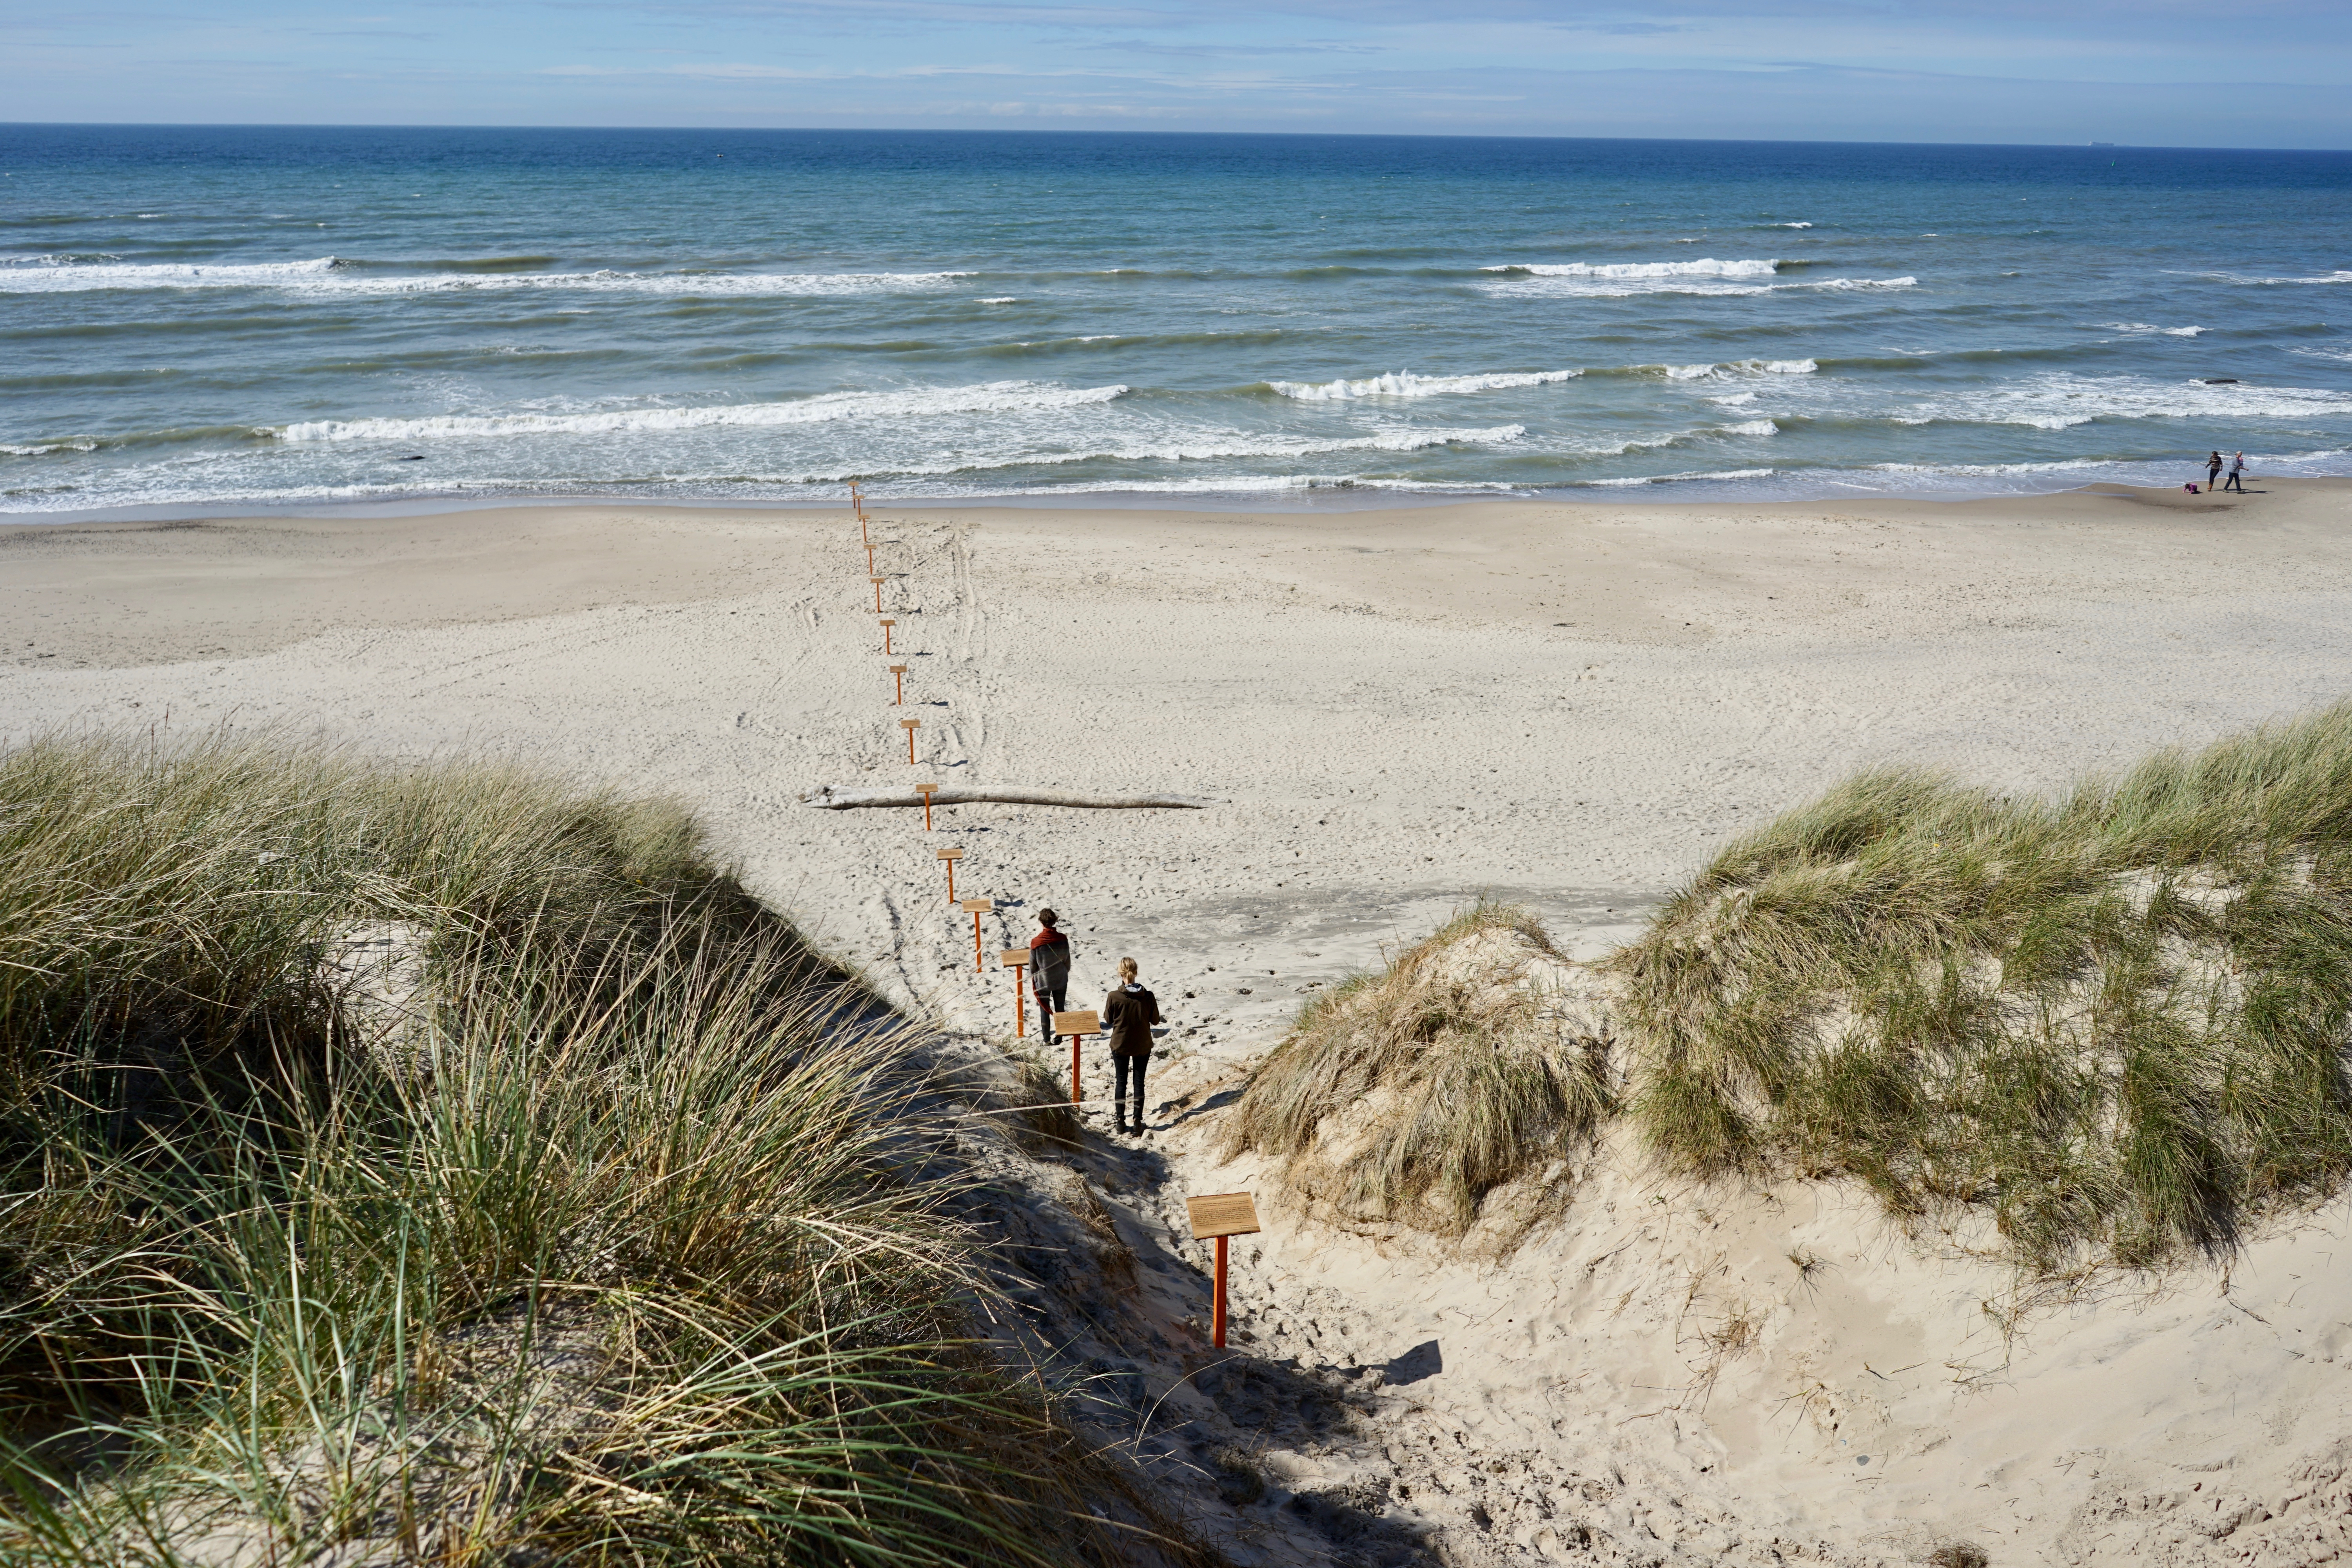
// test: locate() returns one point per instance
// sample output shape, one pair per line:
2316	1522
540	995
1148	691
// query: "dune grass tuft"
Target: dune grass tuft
1410	1094
2115	1021
607	1263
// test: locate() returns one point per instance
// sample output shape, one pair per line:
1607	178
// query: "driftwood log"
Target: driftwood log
827	798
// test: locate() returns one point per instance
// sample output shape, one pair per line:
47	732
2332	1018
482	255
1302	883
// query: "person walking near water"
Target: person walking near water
2212	470
1049	971
2237	474
1127	1015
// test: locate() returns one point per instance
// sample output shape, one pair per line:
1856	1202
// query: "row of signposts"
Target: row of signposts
1219	1217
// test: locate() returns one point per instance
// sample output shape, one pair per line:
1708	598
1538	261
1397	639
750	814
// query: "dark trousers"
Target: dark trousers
1118	1096
1049	1002
2233	484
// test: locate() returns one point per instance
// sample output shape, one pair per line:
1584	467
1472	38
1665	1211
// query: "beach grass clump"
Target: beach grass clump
2115	1021
586	1246
1412	1093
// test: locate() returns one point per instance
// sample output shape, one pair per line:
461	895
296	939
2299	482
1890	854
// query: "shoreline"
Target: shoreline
1660	490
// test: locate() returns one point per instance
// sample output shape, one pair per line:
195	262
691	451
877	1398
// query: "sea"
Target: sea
204	319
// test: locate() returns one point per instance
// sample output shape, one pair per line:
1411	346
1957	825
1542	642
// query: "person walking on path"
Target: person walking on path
1127	1015
2237	474
2212	470
1049	971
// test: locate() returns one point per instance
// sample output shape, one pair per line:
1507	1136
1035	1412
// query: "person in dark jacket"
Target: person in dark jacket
2212	470
1049	971
1127	1015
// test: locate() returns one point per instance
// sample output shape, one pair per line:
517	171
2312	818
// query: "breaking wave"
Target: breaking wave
1404	383
334	275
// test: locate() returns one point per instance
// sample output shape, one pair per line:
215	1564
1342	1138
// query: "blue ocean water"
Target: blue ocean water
196	318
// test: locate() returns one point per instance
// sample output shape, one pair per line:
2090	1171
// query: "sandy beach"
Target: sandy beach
1390	713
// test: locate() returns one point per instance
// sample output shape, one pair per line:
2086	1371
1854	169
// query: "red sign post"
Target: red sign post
886	624
1016	959
976	908
1221	1215
1077	1025
899	671
950	857
926	791
911	725
877	593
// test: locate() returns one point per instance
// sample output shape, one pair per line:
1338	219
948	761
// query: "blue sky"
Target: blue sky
2268	73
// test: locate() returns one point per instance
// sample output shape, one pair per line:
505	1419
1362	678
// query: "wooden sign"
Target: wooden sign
1016	959
948	853
899	671
1221	1213
910	725
950	857
878	595
886	624
1077	1025
926	791
976	908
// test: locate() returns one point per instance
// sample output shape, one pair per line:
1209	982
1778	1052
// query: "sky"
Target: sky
2247	73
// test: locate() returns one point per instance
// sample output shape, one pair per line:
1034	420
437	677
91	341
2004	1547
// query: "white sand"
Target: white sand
1567	707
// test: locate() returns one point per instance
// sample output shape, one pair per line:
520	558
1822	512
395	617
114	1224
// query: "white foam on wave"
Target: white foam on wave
1404	383
1723	371
2343	354
1788	225
43	449
1752	427
1705	277
2145	327
2341	275
1672	479
988	398
1705	267
332	275
1212	445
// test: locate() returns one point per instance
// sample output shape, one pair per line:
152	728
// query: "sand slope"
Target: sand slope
1399	711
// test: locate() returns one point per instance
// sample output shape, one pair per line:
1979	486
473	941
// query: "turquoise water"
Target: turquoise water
199	318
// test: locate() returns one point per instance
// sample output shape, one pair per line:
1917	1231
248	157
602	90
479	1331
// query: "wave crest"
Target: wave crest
1404	383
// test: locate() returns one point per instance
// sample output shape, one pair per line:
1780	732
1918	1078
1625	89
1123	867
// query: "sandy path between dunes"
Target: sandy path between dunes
1396	711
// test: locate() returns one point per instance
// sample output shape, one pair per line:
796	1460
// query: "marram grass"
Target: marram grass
588	1251
1412	1093
2114	1023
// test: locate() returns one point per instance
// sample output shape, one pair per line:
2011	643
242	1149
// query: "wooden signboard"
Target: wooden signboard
877	593
1016	959
926	791
1221	1215
1077	1025
976	908
911	726
899	671
950	857
886	624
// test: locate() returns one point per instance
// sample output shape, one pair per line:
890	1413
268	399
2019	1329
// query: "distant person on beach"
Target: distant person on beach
2237	474
1049	970
2212	470
1128	1013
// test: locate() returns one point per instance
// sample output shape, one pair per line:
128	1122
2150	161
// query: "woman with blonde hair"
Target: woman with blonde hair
1127	1015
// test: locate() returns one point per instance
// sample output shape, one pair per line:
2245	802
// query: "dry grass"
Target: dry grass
1412	1094
2114	1023
614	1267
